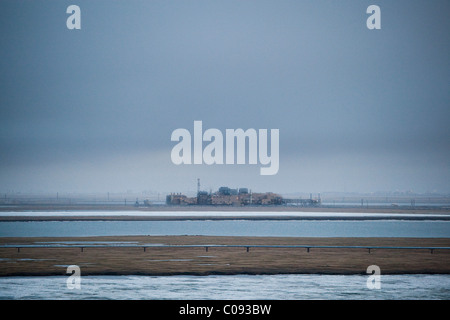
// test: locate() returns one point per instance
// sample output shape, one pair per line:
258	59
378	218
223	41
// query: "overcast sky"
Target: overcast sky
92	110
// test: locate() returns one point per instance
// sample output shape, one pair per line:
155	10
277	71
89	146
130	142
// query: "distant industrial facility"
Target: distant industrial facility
226	196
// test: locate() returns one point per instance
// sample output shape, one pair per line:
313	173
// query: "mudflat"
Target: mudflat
116	260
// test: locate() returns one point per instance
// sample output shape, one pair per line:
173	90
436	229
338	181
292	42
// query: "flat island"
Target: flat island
159	255
146	255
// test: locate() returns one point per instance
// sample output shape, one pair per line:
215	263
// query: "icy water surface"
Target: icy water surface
260	287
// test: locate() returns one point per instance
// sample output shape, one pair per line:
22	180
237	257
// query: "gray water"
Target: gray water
273	228
254	287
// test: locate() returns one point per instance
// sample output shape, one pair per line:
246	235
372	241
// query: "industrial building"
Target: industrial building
226	196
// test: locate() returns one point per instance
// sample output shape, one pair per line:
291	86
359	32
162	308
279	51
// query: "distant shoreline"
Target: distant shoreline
216	218
165	208
162	213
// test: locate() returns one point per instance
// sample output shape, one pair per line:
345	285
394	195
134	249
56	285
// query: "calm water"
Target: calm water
292	228
257	287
